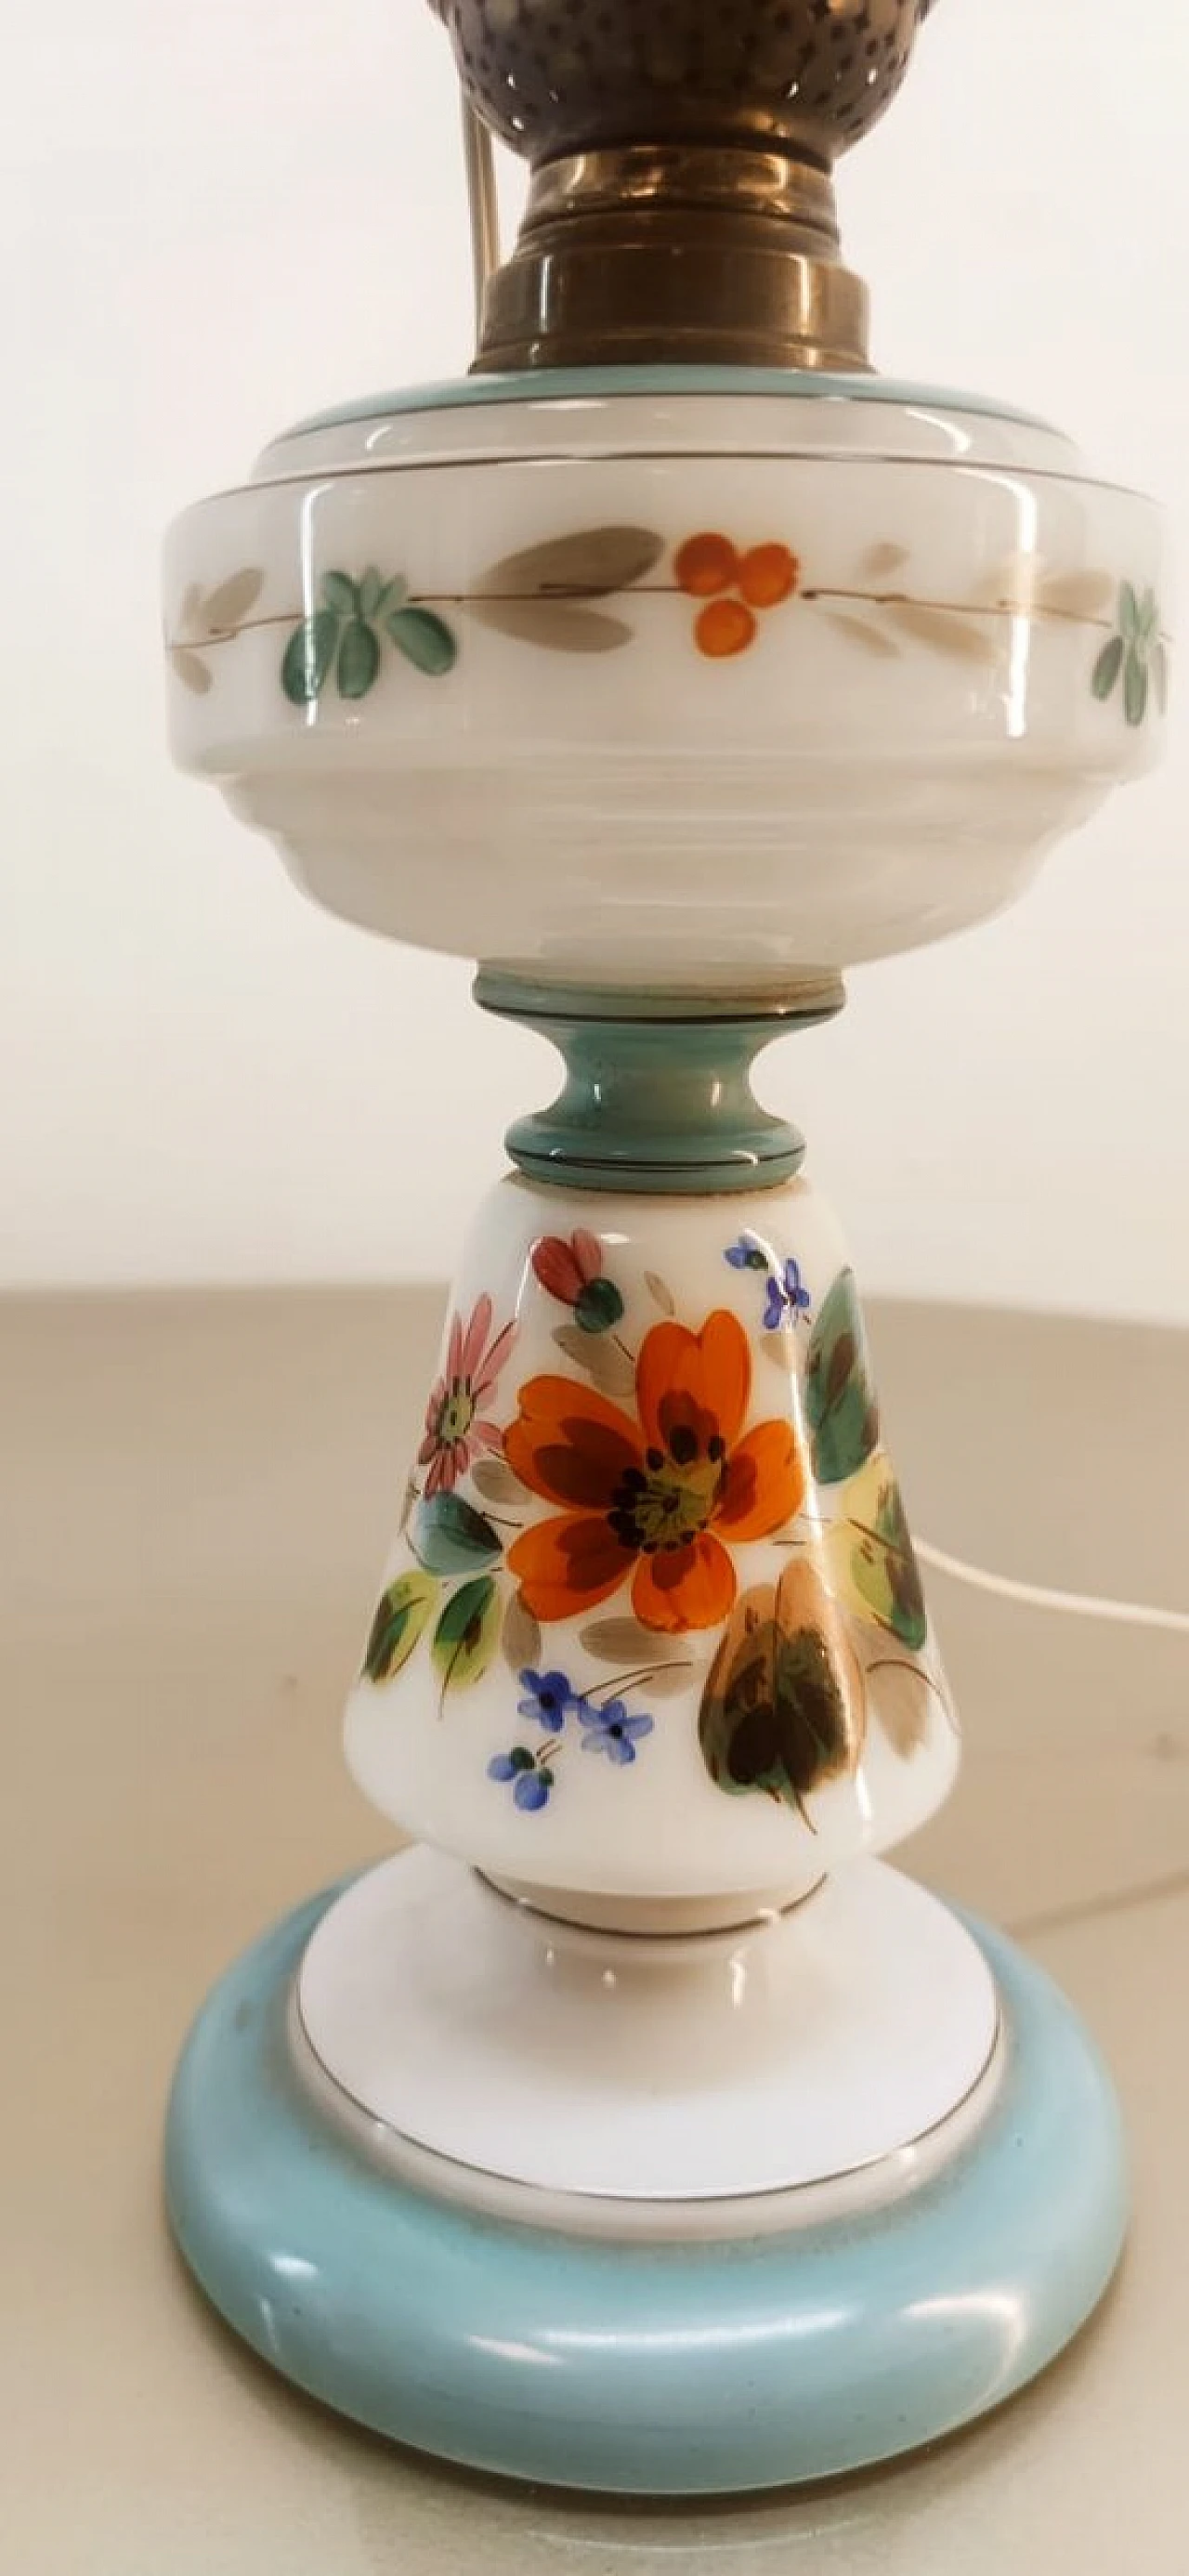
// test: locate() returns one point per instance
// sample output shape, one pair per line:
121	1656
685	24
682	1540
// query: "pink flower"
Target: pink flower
565	1269
456	1431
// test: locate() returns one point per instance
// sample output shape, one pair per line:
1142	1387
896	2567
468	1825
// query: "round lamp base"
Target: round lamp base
770	2341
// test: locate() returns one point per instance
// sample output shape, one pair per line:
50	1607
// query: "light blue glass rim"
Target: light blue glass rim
596	384
678	2370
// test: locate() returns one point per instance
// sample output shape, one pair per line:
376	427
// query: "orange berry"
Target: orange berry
725	627
705	565
767	575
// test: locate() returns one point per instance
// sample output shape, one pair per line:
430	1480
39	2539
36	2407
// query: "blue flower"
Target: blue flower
549	1698
745	1255
610	1730
787	1295
795	1289
531	1783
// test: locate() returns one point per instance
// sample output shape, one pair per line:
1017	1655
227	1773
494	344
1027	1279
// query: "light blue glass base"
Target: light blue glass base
678	2369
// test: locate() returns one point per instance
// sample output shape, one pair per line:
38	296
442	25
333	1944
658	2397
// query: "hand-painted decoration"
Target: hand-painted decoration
783	1709
573	1273
567	595
758	1569
1135	655
346	633
787	1298
840	1404
661	1499
570	1717
456	1430
737	589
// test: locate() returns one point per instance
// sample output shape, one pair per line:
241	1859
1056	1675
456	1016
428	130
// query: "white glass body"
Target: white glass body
595	753
613	1503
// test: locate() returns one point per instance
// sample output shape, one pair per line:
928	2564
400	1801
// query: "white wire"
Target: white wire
1077	1605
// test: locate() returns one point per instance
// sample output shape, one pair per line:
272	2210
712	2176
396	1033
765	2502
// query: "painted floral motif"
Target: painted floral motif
573	1273
456	1430
734	587
1134	654
610	1730
747	1254
553	594
871	1556
840	1402
604	1727
784	1707
652	1494
787	1298
528	1775
346	634
548	1697
212	617
565	595
661	1499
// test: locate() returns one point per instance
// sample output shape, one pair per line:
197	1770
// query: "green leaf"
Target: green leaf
393	595
1160	674
840	1405
403	1613
784	1706
598	1306
424	639
359	660
1128	612
1135	688
467	1633
450	1536
1108	667
881	1565
339	592
660	1292
1147	615
308	657
371	591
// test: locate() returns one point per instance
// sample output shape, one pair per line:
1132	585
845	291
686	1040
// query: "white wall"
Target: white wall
215	219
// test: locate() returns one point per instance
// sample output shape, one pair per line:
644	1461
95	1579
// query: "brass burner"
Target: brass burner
681	203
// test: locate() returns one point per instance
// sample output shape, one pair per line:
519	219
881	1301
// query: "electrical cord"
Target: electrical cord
1039	1596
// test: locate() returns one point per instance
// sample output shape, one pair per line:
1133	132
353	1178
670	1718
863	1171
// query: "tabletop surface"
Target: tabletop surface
195	1497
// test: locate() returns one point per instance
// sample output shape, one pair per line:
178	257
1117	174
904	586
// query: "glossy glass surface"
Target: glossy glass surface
648	2370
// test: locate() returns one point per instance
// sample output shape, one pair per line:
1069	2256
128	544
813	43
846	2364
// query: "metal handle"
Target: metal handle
482	203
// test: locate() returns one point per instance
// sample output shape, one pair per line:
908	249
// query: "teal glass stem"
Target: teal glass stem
657	1095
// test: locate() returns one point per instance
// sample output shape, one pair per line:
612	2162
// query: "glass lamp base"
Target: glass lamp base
754	2351
803	2048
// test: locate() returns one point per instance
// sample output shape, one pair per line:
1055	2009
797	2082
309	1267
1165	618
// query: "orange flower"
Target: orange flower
660	1499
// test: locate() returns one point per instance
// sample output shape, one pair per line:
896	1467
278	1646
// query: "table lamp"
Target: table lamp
639	2127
